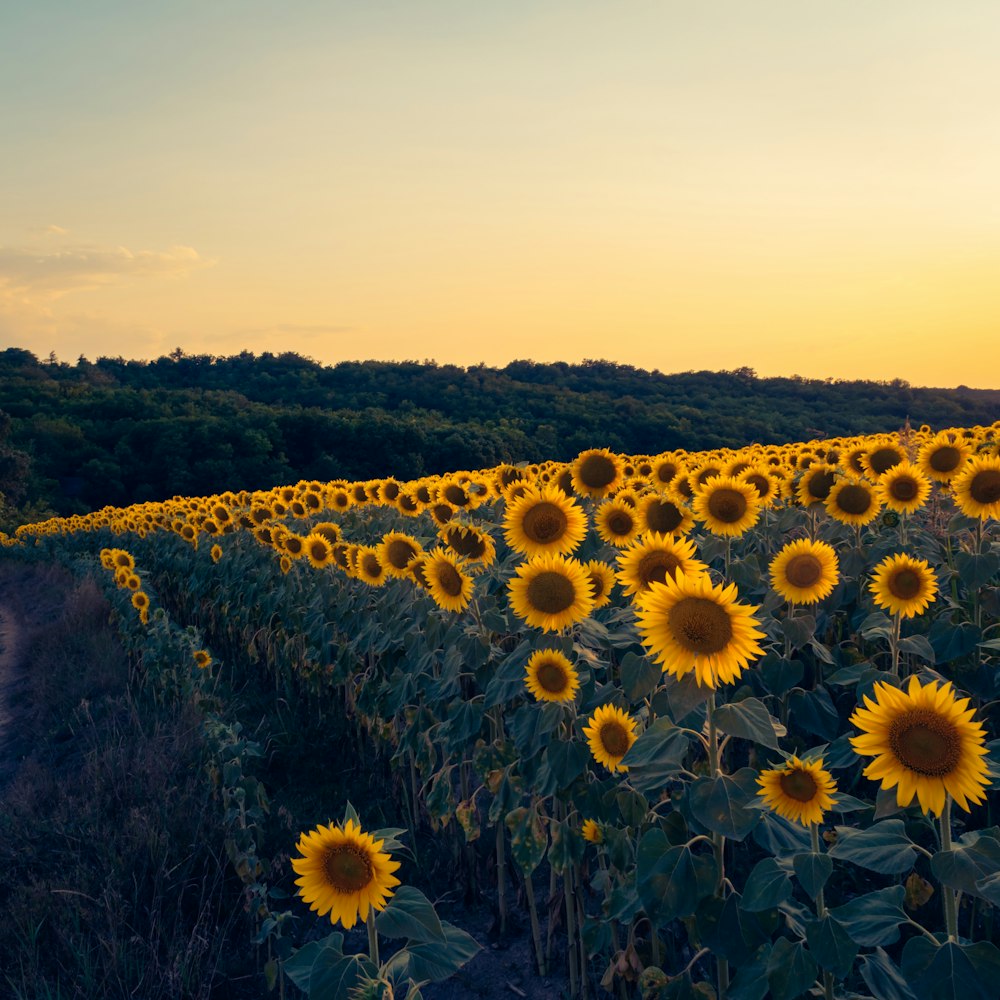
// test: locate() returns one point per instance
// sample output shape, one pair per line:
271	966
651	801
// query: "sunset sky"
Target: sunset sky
792	185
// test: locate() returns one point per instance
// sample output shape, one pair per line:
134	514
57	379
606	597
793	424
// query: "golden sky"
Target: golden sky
792	185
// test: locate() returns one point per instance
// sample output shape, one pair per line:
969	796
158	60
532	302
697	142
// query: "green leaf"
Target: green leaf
640	676
947	971
530	724
884	847
750	982
953	641
434	961
409	914
814	712
778	674
767	886
567	845
672	880
967	864
299	967
684	694
918	645
528	839
728	930
812	871
831	945
565	760
750	720
790	969
883	978
874	919
976	570
336	975
720	803
656	755
798	631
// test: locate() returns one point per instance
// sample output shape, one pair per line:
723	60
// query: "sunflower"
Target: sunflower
470	543
665	515
653	558
592	831
763	481
551	592
550	676
602	579
544	521
370	567
396	551
330	531
924	743
441	512
447	582
942	458
343	872
815	485
597	472
216	553
853	501
904	488
904	585
665	468
881	458
294	545
285	564
799	790
804	572
140	601
318	550
690	624
123	559
977	487
616	522
727	506
202	658
610	734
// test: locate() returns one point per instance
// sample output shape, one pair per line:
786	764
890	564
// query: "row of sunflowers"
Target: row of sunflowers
738	706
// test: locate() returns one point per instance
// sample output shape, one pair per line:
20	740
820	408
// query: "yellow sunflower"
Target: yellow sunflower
602	579
881	457
202	658
343	872
925	744
977	487
610	734
140	601
763	481
318	550
690	624
216	553
470	543
551	592
799	790
904	488
544	521
550	676
447	582
904	585
805	572
597	472
653	558
370	567
592	831
396	551
330	531
665	515
853	501
616	522
942	458
665	468
727	506
294	546
815	485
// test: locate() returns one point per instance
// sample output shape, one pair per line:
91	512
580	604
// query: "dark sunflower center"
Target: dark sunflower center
620	522
551	593
684	488
596	585
727	505
318	550
348	869
985	486
760	483
798	785
854	499
544	522
803	570
712	472
449	579
883	459
945	459
407	503
905	584
454	493
614	738
565	481
312	501
389	491
399	552
925	742
293	545
419	570
371	566
820	484
654	566
597	471
663	516
424	494
666	471
466	543
442	512
552	677
700	625
904	488
854	461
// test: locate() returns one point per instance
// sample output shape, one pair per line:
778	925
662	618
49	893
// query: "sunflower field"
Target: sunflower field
717	724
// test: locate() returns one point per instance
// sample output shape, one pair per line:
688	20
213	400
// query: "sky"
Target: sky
796	186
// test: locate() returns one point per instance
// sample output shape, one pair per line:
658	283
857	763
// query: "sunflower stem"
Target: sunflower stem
718	840
897	622
821	910
372	938
501	878
571	949
950	909
536	933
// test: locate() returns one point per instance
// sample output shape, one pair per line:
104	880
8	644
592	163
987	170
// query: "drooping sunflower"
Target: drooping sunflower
602	580
447	582
664	515
441	512
468	542
904	585
370	567
617	523
805	572
904	488
690	624
550	676
943	457
597	472
544	521
395	552
610	734
551	592
592	832
799	791
318	550
977	487
653	558
815	485
925	744
344	871
853	501
202	658
727	506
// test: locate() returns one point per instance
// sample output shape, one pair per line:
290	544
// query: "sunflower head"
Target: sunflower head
854	501
880	458
602	579
611	733
924	744
202	658
597	472
799	791
617	522
550	676
370	567
816	482
653	558
447	581
544	520
728	506
551	592
318	550
469	542
904	488
943	457
592	831
977	487
804	572
396	551
904	585
664	515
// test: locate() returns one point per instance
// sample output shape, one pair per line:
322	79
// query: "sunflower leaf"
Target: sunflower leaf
767	886
721	803
873	920
640	675
435	961
812	870
831	945
750	720
883	978
657	754
410	914
919	645
966	865
672	880
791	970
951	971
884	847
976	570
